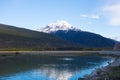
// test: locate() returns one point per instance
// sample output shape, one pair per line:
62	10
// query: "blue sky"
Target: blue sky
98	16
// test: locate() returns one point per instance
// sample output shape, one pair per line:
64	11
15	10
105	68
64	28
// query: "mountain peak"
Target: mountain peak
58	25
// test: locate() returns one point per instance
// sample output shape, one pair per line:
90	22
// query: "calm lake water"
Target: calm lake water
37	67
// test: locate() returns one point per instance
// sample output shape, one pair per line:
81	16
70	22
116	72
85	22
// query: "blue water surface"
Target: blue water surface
57	68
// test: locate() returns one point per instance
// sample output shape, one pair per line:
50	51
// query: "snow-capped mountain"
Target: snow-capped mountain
67	32
59	25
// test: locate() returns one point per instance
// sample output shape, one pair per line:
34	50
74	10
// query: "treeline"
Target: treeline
53	49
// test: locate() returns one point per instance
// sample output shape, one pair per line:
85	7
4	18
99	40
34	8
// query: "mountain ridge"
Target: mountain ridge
58	25
79	37
12	37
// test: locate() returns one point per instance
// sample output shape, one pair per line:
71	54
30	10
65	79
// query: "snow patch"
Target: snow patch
59	25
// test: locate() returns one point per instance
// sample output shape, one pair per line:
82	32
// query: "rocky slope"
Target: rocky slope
117	46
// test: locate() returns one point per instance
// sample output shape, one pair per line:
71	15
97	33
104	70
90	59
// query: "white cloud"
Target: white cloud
116	38
92	16
84	15
112	13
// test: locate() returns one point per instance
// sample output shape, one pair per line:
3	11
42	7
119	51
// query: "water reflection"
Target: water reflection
66	58
49	67
65	71
56	72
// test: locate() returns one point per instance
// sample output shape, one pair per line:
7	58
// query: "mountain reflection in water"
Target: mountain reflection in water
49	67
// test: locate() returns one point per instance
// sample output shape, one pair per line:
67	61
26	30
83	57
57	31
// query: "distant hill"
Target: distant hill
64	30
13	38
85	39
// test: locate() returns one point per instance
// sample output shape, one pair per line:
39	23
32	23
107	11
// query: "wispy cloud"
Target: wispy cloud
92	16
112	13
116	38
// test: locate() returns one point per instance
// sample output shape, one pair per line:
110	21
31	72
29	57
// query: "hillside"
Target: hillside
14	38
85	39
66	31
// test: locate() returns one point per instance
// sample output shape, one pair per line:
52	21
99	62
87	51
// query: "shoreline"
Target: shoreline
100	73
107	53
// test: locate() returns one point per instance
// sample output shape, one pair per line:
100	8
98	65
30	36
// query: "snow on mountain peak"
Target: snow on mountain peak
59	25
